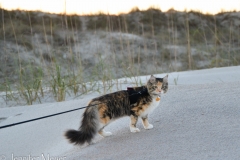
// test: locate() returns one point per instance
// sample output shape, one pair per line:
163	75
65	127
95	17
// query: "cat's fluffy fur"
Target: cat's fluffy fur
104	109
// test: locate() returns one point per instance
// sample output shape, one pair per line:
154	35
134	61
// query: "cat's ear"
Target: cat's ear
152	79
165	79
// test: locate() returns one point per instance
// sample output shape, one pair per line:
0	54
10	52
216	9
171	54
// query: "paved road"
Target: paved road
197	119
192	122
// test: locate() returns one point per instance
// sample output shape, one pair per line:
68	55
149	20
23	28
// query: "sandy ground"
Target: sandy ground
197	119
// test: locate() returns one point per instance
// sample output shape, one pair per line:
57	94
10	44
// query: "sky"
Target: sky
119	6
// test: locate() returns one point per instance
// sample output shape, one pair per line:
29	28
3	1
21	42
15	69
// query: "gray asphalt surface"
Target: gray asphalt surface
199	121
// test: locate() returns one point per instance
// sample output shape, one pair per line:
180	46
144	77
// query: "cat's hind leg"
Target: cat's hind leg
104	133
146	124
133	123
104	120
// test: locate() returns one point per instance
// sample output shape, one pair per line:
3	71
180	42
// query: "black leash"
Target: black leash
14	124
35	119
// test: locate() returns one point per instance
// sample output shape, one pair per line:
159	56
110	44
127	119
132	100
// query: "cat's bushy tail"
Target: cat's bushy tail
88	128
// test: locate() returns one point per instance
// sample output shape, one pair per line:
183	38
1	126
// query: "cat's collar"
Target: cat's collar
156	95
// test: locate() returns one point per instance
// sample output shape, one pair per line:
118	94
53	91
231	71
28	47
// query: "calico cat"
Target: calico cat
138	102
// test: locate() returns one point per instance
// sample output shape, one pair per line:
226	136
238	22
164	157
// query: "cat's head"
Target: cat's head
157	85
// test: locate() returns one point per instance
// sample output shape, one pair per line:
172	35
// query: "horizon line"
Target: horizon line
120	13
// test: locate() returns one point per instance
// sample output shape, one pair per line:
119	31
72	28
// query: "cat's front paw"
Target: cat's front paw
150	126
134	130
